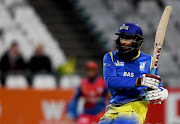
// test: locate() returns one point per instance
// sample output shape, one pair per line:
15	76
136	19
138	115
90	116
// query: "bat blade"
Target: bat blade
160	33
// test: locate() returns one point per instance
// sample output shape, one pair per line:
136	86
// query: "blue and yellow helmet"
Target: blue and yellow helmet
130	30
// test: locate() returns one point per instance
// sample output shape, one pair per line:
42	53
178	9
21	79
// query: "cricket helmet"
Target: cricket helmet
91	65
129	30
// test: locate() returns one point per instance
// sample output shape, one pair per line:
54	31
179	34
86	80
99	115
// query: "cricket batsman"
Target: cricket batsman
95	93
127	75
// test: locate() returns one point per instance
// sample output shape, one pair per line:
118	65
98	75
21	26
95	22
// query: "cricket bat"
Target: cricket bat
159	39
160	33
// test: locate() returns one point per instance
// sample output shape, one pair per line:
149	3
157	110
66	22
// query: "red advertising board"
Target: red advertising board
49	106
168	112
34	107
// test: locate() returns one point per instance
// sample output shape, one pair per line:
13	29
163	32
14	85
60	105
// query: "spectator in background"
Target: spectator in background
40	63
93	89
11	62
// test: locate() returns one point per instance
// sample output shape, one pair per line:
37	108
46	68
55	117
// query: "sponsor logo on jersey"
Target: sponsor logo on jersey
124	27
100	89
119	63
104	64
142	66
128	74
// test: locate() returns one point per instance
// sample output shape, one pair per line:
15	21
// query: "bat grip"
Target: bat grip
153	71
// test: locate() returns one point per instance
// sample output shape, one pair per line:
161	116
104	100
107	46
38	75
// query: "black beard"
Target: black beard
129	55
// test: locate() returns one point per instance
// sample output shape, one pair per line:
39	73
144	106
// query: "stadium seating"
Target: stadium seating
19	19
20	23
28	30
67	23
69	81
44	81
101	12
16	81
102	18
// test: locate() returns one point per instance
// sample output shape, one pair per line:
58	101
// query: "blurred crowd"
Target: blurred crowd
136	3
12	62
160	3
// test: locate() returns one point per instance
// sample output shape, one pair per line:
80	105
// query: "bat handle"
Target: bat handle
152	72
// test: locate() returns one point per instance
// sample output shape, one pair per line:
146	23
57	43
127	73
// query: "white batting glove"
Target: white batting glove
149	80
156	96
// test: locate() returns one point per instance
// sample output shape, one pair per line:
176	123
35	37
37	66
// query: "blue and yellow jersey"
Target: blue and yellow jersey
120	76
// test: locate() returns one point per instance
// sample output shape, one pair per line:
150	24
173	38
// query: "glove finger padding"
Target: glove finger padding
153	98
151	86
153	76
156	96
153	91
153	95
150	80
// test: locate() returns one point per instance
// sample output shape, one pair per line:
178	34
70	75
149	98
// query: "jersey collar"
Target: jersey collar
137	55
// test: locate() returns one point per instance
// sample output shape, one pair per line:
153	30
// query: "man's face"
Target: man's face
126	41
39	50
14	49
91	73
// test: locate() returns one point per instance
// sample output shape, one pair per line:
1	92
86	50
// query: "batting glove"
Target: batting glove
156	96
149	80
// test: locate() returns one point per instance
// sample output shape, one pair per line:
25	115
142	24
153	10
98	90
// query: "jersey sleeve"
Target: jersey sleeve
110	75
72	107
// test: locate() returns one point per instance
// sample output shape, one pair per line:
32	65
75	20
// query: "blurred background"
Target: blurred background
44	45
